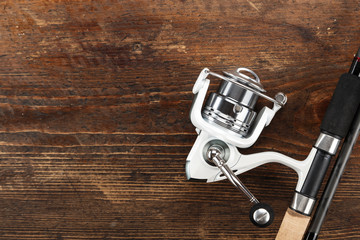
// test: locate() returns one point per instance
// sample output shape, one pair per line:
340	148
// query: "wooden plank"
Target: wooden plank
94	104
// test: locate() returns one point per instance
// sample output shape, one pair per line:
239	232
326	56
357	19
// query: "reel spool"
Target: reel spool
232	106
228	120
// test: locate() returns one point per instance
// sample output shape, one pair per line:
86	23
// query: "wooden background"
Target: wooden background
94	104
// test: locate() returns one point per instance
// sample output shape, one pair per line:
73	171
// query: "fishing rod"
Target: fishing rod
226	121
336	123
339	166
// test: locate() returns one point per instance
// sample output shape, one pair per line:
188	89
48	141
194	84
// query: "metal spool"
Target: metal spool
232	106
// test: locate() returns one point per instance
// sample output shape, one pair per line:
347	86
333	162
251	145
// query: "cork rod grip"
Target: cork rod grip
293	226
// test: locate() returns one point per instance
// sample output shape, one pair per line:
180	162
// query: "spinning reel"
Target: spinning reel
227	121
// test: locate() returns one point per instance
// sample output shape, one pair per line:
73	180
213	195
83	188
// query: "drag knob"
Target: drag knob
261	215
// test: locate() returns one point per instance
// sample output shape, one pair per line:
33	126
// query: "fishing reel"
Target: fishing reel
227	121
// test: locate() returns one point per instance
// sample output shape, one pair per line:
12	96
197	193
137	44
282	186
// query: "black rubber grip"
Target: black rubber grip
343	106
316	174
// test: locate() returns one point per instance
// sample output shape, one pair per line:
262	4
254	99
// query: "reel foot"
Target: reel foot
261	215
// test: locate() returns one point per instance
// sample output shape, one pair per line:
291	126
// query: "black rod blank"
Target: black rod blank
352	135
334	179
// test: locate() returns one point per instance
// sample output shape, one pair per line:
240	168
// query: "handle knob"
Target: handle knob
261	215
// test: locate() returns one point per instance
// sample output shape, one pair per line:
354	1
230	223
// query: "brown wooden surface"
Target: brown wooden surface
94	104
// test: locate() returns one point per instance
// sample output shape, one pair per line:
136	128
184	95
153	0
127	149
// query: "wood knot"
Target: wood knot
137	48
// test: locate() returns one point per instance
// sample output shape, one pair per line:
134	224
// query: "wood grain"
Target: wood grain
94	104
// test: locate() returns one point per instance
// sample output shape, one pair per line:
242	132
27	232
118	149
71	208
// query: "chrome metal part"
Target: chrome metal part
221	146
229	114
238	94
327	143
302	204
214	154
250	88
281	98
232	106
243	134
251	82
261	216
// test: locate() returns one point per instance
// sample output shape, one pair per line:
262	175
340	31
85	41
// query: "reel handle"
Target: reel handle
214	155
261	214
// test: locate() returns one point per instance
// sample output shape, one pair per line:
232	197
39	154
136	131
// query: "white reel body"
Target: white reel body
227	122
